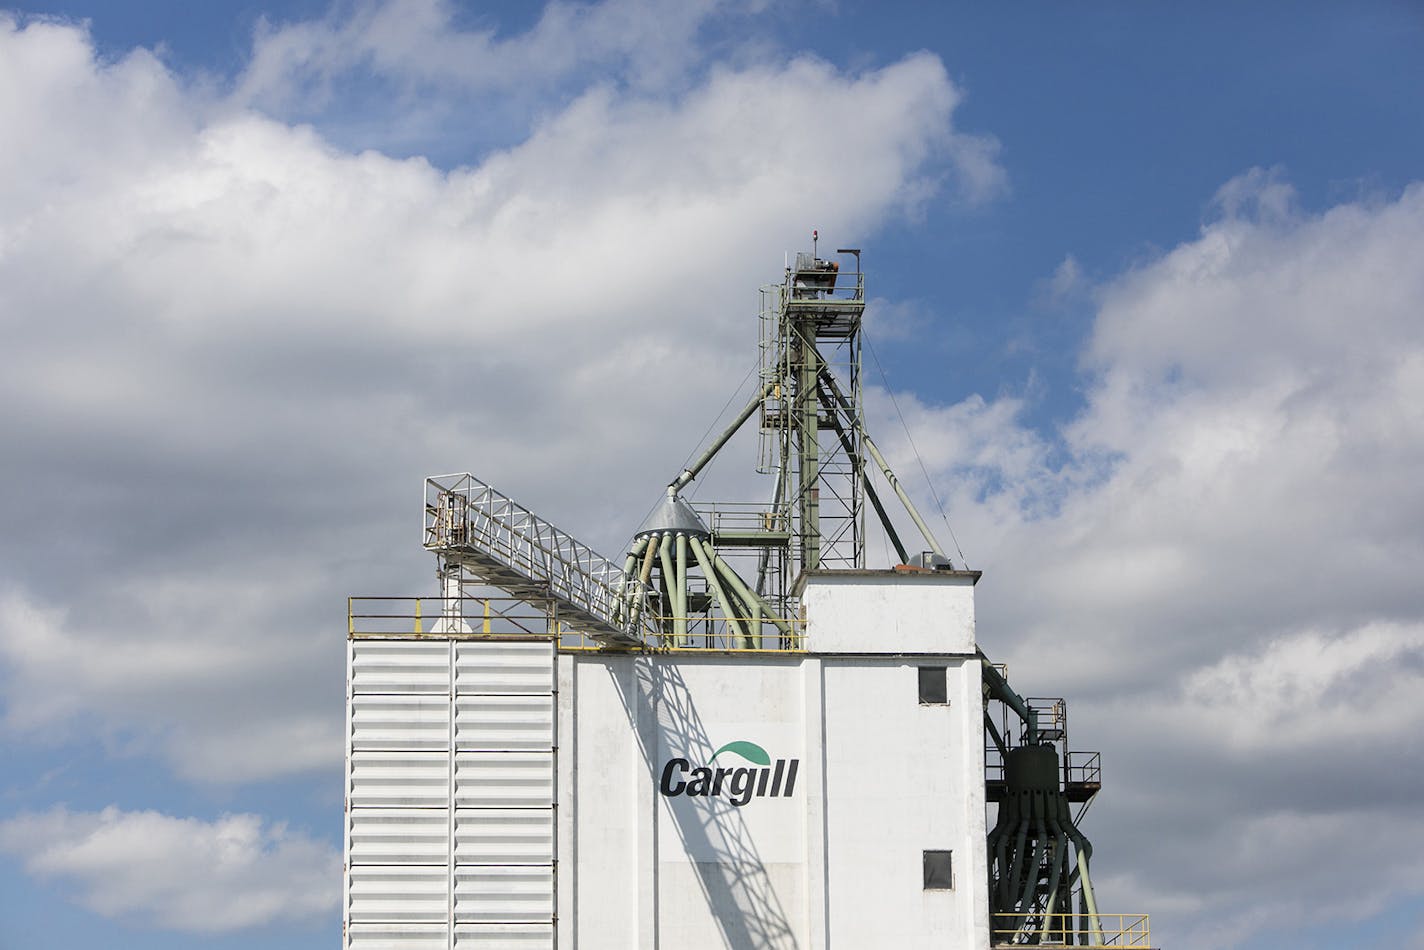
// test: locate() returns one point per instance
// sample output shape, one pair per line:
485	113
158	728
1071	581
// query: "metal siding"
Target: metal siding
504	666
407	723
504	894
391	894
418	779
504	936
399	836
409	703
394	936
400	666
504	836
504	779
504	722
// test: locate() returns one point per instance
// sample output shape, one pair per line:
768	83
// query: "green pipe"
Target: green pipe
748	612
643	575
628	566
1094	923
999	689
1084	851
1031	880
708	571
1020	841
1056	862
758	605
679	623
666	573
689	473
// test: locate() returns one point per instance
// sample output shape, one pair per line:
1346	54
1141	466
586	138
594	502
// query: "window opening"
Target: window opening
934	686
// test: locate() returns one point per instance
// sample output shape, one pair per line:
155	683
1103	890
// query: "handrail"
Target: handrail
503	617
1117	930
510	547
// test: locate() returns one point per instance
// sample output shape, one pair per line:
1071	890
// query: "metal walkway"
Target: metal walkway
501	543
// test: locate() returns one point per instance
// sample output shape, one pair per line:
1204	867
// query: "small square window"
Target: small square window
934	686
939	871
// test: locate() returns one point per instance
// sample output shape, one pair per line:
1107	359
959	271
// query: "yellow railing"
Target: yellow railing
504	616
1106	930
440	616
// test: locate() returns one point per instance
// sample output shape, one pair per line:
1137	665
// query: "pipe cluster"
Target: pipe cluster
666	555
1032	875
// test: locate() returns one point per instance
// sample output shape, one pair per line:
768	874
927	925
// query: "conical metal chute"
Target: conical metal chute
673	515
674	564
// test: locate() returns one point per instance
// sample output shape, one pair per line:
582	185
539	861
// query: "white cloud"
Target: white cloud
422	42
1218	563
1310	690
235	347
1067	282
180	874
186	671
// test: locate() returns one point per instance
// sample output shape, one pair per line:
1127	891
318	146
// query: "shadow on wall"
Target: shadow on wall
734	883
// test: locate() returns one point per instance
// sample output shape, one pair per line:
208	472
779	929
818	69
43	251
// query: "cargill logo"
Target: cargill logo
740	784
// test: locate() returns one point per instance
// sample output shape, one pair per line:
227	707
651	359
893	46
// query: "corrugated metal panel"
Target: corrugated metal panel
504	666
398	937
504	722
407	702
399	778
386	894
504	936
504	779
504	836
400	666
399	836
382	721
518	894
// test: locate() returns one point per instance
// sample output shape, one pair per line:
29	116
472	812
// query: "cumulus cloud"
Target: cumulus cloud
182	874
391	74
233	346
419	43
1217	561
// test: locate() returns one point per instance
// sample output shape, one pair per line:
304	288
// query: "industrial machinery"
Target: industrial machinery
740	656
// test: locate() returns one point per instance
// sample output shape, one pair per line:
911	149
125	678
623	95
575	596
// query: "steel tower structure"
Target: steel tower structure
726	578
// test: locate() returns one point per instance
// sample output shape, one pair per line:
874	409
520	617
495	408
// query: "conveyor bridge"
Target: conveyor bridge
501	543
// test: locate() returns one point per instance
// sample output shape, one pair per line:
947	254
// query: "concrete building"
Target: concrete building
740	737
507	790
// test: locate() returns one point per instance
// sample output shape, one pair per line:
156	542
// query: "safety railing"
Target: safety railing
826	284
1052	717
499	616
495	616
1079	768
510	547
742	517
1105	930
1083	768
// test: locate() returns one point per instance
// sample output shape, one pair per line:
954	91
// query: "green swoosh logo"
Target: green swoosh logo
748	750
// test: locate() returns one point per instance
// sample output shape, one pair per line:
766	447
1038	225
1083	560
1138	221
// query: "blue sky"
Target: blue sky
1146	293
